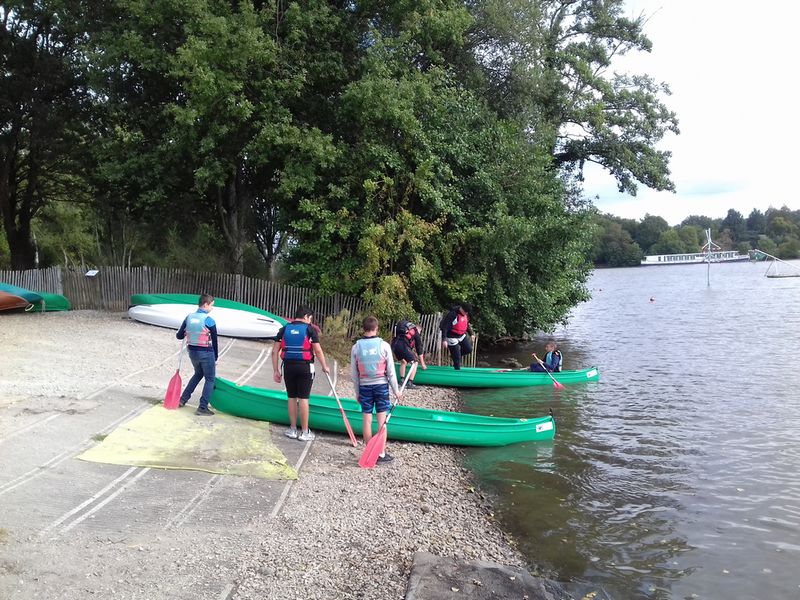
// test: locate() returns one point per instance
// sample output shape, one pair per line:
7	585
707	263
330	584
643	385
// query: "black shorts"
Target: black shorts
402	351
298	377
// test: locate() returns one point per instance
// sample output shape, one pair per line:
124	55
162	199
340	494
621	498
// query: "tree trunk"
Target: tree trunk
233	205
23	254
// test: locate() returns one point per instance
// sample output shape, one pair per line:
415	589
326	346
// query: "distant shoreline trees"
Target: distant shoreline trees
619	242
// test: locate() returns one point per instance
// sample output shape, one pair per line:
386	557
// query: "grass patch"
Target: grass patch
99	437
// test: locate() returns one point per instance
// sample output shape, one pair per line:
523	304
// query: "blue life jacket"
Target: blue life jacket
553	360
295	343
371	363
197	332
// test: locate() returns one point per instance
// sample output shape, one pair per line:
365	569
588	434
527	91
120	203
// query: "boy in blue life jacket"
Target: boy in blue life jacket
201	331
372	372
297	343
552	360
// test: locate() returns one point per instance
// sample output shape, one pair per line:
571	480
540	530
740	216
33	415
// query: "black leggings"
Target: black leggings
462	348
298	378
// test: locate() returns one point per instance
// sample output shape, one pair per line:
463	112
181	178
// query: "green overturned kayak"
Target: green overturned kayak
408	423
497	378
51	302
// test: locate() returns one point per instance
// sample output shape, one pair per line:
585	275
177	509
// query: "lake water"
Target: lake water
676	475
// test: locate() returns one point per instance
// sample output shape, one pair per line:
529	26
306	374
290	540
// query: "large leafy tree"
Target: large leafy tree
229	132
550	63
43	116
437	198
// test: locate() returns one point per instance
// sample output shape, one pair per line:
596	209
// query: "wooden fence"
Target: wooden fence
110	288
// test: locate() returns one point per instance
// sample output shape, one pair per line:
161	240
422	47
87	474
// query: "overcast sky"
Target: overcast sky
733	71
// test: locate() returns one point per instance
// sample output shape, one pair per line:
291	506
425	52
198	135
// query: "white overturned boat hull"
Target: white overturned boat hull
231	322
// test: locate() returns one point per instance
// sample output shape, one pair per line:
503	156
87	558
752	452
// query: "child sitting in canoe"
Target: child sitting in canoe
552	360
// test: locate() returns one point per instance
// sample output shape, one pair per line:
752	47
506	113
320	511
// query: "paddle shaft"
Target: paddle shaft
411	371
341	410
556	384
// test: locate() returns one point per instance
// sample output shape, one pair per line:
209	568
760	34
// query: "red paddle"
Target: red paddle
344	416
378	442
556	385
173	396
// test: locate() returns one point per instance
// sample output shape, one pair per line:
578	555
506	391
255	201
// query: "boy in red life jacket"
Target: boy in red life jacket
456	332
372	371
297	343
201	331
407	347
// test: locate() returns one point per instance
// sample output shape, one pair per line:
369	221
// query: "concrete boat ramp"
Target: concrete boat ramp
75	529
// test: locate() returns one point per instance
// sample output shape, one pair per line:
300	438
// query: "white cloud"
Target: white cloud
732	73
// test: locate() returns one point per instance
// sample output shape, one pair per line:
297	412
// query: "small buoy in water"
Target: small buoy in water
652	299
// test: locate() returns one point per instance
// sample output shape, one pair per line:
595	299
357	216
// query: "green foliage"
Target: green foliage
64	236
44	120
5	253
649	232
669	242
613	245
336	340
789	248
550	65
412	153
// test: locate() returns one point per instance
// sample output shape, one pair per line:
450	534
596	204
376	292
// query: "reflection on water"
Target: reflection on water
675	475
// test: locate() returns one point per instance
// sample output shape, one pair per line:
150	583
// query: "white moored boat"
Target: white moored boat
699	258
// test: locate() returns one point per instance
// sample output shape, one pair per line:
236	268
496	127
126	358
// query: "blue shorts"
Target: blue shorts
374	396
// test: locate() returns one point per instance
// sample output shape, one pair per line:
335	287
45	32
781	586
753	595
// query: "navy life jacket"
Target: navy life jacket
548	360
295	343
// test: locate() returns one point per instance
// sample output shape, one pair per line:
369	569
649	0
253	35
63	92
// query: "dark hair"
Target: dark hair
205	299
302	312
370	324
467	307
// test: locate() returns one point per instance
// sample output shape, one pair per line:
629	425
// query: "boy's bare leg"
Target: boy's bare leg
304	413
366	421
293	412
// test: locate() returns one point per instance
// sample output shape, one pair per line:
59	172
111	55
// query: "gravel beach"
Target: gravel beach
339	532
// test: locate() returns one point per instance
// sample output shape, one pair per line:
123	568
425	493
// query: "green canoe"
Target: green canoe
151	299
407	423
497	378
51	302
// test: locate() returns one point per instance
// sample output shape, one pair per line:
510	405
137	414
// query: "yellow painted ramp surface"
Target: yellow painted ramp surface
178	439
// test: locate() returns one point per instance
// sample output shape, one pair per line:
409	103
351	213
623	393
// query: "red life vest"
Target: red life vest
295	343
460	325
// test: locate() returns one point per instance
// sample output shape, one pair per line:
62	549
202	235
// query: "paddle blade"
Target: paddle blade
558	386
373	450
173	397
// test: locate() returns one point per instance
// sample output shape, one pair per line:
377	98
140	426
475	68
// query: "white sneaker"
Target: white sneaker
306	436
291	433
